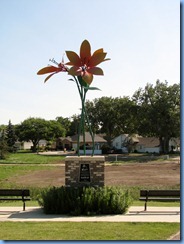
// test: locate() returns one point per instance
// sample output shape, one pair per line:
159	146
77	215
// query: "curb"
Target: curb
175	237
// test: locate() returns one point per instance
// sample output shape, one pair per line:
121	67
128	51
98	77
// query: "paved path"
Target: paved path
135	214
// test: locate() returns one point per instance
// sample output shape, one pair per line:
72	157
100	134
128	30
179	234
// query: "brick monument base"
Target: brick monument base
84	171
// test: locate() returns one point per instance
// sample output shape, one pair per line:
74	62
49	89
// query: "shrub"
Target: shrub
105	149
85	201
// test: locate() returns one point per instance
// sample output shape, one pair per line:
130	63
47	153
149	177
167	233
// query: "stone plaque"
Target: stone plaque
84	173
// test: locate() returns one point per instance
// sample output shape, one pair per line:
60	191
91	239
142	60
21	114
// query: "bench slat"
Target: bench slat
14	199
14	192
8	194
159	195
167	199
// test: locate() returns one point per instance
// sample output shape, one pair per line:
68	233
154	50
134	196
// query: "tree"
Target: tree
126	110
10	136
66	124
159	112
54	130
112	116
35	129
102	114
73	130
3	145
70	124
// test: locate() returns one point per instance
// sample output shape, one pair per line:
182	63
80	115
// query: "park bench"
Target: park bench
159	195
15	195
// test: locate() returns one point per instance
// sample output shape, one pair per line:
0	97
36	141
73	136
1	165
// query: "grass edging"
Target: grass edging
90	231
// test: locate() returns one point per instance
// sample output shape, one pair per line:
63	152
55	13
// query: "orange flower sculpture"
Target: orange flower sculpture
82	69
52	69
85	65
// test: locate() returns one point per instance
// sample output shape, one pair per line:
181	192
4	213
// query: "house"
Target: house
23	145
64	142
152	144
148	144
26	145
125	142
174	144
99	141
143	144
70	142
119	141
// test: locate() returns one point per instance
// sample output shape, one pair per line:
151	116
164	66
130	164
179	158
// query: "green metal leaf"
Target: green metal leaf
92	88
82	82
71	79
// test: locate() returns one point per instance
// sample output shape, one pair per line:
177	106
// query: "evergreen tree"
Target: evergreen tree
10	136
3	145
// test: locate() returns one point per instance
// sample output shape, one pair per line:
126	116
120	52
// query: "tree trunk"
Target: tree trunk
34	147
164	144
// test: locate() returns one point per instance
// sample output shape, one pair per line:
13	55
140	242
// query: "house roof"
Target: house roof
176	140
68	138
134	139
88	138
149	141
131	138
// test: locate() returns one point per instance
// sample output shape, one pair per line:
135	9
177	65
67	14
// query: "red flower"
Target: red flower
85	65
52	69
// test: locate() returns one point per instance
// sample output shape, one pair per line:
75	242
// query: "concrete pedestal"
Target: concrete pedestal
84	171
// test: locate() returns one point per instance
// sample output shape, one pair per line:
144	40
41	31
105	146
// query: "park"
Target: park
134	172
90	120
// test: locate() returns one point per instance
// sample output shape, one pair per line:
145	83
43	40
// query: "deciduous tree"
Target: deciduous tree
159	111
35	129
112	116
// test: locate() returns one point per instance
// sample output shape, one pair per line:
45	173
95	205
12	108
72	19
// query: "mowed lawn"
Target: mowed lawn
31	158
18	164
86	231
25	163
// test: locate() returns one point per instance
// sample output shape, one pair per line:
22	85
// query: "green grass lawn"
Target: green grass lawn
140	158
86	231
34	203
31	158
8	171
24	163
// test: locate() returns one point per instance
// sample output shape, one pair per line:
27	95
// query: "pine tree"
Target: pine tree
3	145
10	136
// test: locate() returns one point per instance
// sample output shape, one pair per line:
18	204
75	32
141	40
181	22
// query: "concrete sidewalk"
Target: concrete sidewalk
135	214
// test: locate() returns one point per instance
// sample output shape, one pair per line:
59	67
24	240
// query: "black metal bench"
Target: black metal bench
159	195
15	195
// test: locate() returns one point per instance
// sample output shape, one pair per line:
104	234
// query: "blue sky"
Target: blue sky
142	38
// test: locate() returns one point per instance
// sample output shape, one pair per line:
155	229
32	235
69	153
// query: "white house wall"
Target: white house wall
148	149
27	145
118	141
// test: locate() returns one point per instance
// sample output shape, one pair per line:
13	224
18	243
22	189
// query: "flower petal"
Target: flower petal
69	63
87	77
85	51
106	59
98	51
74	58
48	77
97	58
74	71
48	69
95	71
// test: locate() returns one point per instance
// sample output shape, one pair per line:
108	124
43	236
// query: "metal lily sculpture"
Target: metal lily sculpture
82	69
